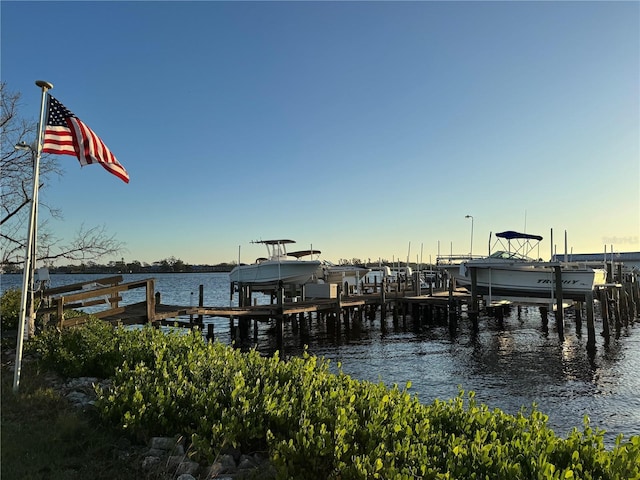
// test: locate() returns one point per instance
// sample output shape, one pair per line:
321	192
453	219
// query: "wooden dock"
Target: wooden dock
618	302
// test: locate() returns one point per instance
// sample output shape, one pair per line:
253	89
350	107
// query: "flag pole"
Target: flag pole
31	240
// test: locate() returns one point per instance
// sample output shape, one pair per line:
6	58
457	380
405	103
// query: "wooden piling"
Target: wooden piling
280	316
201	304
578	310
474	291
210	336
544	316
604	304
591	329
559	301
615	295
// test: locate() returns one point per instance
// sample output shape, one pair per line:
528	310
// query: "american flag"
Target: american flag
66	134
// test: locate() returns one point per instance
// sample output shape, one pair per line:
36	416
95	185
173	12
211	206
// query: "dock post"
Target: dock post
232	329
616	306
201	304
210	336
474	291
635	294
605	313
280	332
280	315
578	310
394	314
591	329
544	316
559	301
604	304
383	301
452	321
338	309
631	306
619	271
243	327
151	300
625	304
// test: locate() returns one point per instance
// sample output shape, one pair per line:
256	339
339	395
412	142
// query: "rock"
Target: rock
149	462
163	443
187	467
156	452
247	462
235	452
173	461
213	471
82	383
186	476
78	399
228	463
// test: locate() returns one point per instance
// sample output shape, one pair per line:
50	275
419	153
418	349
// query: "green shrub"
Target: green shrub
92	349
316	424
10	309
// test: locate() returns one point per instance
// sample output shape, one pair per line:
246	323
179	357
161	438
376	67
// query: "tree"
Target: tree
16	183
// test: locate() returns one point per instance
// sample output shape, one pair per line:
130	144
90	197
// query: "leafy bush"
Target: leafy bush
92	349
316	424
10	309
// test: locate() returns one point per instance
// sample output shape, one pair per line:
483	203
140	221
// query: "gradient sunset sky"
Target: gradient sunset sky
365	129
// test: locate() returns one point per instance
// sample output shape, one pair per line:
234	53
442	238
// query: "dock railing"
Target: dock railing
104	291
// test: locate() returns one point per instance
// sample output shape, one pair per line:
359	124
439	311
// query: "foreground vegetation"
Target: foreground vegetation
314	423
44	437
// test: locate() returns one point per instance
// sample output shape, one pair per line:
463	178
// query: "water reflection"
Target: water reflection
510	363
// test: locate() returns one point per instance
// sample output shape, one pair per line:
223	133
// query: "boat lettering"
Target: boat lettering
564	282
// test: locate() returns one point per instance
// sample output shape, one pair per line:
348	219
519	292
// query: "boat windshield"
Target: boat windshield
501	254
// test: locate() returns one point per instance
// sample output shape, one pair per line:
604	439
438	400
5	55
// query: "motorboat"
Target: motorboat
511	272
347	275
277	266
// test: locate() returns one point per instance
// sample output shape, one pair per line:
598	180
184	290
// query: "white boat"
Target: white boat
277	266
352	274
347	275
512	273
378	274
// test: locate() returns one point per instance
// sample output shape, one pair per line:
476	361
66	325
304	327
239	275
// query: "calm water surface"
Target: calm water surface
510	364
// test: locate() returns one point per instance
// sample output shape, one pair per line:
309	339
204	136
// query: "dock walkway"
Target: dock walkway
616	301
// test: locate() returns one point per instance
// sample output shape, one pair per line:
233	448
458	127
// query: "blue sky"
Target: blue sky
366	129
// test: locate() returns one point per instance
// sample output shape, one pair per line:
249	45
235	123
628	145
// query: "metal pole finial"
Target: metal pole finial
44	84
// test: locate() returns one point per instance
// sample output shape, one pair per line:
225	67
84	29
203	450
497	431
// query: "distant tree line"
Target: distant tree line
167	265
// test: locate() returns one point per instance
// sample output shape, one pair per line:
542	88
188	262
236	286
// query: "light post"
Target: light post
471	248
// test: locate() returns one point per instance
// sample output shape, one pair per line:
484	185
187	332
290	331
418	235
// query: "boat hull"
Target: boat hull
271	272
529	280
348	273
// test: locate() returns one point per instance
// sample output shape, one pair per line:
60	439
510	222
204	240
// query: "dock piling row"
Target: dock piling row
617	304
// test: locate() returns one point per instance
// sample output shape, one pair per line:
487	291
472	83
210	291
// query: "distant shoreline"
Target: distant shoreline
193	269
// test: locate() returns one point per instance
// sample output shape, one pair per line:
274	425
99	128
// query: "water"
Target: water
509	365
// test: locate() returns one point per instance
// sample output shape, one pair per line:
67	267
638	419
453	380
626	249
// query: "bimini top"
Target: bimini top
304	253
273	242
511	235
